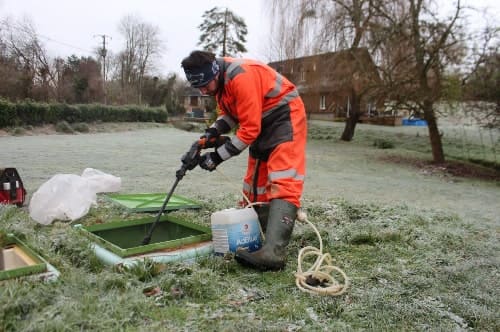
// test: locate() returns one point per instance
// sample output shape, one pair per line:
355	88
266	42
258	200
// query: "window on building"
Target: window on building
302	74
322	103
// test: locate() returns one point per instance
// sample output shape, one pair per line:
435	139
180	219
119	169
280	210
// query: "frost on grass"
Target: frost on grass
425	270
421	253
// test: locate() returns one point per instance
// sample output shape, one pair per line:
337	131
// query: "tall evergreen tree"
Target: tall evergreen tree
223	32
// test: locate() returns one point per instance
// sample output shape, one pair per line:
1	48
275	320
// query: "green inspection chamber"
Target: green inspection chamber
17	259
124	237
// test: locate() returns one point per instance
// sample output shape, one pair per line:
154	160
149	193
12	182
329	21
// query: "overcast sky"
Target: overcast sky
73	26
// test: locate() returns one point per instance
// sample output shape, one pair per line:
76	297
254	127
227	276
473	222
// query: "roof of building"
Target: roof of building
331	71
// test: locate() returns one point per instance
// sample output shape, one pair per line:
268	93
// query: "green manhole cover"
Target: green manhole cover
152	202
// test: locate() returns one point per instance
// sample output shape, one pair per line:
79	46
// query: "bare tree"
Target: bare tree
482	78
142	48
294	27
26	52
8	68
418	47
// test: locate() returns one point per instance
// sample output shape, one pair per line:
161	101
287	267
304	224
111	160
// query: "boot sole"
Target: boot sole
260	267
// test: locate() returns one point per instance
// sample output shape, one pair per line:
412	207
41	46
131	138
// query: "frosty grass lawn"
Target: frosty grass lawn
421	248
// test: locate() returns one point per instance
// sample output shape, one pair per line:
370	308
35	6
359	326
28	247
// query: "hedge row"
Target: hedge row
33	113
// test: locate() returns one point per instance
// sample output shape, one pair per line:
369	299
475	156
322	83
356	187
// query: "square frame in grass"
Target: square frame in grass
32	263
138	229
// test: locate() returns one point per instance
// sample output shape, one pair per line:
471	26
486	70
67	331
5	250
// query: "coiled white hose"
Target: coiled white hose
319	278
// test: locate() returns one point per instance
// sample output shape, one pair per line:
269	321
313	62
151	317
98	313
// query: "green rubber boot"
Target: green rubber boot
263	213
272	255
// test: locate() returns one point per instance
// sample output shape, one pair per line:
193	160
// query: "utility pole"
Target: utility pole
225	34
103	52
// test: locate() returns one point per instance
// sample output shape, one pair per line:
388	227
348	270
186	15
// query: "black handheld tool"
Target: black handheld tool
189	161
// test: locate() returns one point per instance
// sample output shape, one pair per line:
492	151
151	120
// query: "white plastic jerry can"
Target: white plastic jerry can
235	228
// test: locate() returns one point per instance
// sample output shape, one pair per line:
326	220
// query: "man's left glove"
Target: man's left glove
210	160
211	132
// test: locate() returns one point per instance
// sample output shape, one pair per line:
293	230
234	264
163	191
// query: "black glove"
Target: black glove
210	160
211	132
214	142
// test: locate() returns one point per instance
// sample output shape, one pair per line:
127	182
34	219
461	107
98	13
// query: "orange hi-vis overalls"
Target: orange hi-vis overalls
272	122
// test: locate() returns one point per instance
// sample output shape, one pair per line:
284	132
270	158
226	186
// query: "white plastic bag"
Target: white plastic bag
63	197
69	196
101	182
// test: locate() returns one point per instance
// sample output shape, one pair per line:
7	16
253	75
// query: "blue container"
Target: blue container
414	122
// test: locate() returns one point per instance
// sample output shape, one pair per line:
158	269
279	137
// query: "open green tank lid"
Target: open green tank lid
152	202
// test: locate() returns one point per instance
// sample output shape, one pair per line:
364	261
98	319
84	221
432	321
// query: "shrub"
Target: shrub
18	131
33	113
64	127
29	112
7	113
81	127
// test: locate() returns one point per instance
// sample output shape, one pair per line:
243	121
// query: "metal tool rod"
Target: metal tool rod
147	238
189	161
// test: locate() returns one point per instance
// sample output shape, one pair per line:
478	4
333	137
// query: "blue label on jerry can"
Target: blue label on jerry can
231	237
